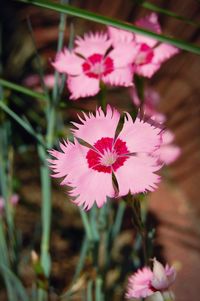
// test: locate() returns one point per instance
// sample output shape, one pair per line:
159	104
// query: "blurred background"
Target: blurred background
175	206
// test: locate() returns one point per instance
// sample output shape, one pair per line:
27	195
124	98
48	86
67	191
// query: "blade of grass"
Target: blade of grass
77	12
21	122
155	8
21	292
22	89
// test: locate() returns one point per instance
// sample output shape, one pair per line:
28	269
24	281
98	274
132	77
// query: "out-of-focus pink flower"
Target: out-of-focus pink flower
168	152
150	53
146	282
93	60
2	204
34	81
14	200
88	167
150	102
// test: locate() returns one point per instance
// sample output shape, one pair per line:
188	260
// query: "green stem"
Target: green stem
45	211
153	7
22	89
89	290
86	223
4	260
23	123
118	219
77	12
98	290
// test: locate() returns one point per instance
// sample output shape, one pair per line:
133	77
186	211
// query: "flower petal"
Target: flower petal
168	153
87	184
92	43
96	127
147	70
92	187
139	284
120	77
163	52
150	23
137	175
123	55
140	136
82	86
68	62
120	36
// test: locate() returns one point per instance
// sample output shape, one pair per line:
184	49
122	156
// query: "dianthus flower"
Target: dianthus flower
150	103
99	153
94	60
145	282
168	152
150	53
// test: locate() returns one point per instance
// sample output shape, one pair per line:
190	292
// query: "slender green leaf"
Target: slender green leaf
77	12
20	121
19	288
22	89
155	8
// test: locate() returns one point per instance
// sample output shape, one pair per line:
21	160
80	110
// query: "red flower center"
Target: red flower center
108	155
145	55
97	65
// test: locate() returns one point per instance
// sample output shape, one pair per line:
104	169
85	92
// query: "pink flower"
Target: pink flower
34	81
97	153
146	282
150	102
2	204
168	152
14	199
150	53
92	61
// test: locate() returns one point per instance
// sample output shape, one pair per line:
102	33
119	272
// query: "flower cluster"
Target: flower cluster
145	282
112	57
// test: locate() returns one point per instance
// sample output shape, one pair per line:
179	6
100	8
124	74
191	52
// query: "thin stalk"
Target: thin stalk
46	211
102	96
22	90
140	227
6	188
98	290
89	290
23	123
5	261
118	219
77	12
155	8
86	223
44	170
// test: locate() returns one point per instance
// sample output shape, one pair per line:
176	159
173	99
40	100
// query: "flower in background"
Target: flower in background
14	199
94	60
150	53
2	204
34	81
145	282
88	167
149	103
168	152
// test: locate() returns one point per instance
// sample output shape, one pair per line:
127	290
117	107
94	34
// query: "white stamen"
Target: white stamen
108	158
